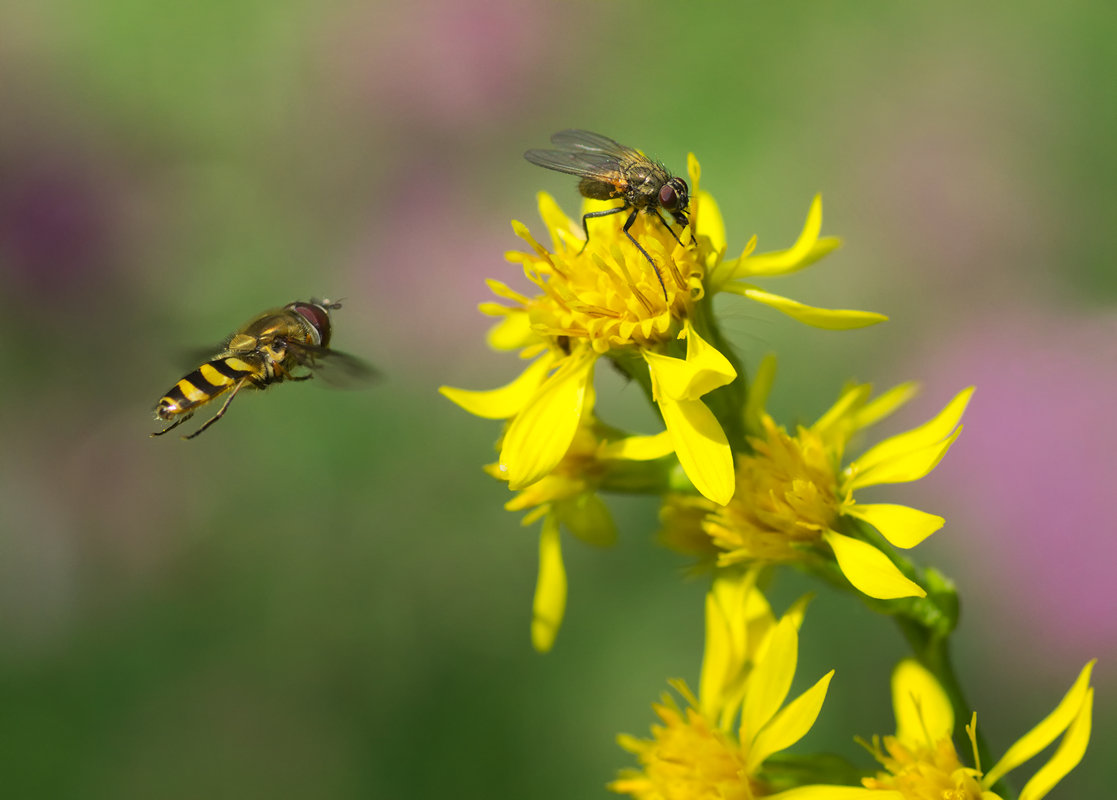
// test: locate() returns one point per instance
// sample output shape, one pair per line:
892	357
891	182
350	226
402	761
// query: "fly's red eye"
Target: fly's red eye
668	198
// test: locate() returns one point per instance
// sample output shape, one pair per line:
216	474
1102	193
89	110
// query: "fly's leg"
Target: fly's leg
221	412
631	238
671	230
174	424
605	213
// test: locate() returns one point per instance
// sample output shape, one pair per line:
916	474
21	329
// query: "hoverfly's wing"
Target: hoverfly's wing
339	370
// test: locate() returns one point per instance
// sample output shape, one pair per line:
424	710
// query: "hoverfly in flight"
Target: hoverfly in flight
608	170
264	351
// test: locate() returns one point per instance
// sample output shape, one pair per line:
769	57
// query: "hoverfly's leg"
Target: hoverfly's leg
605	213
631	238
221	412
174	424
299	377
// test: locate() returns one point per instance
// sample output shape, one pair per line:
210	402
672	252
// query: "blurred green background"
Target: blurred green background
322	597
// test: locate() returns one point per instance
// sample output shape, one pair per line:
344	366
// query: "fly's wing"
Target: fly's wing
339	370
587	155
579	141
583	163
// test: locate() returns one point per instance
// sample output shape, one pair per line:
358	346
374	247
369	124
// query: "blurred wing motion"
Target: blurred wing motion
338	370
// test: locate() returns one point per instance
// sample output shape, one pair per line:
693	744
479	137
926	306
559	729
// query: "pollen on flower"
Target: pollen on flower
604	291
787	495
930	772
686	759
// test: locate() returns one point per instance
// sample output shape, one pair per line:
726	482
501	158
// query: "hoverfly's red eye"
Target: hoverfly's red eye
668	197
317	316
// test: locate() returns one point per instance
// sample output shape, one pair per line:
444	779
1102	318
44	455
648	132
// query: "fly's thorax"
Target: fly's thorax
644	180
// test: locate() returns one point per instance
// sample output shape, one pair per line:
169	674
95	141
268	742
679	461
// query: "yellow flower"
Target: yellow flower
566	497
702	751
792	491
604	298
921	762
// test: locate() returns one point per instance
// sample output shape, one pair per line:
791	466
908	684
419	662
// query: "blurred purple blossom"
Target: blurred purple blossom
56	225
440	64
1035	472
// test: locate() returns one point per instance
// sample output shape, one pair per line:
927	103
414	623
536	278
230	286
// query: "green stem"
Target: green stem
727	402
933	652
927	623
635	368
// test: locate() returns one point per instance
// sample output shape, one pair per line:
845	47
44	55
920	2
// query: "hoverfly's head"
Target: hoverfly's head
317	313
674	197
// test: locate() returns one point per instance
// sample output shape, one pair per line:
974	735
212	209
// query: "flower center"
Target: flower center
608	292
926	774
786	497
687	759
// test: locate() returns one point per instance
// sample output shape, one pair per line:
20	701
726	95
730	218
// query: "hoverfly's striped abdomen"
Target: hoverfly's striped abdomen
207	382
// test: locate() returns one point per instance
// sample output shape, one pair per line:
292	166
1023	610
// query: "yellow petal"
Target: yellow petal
1067	755
869	570
540	435
759	390
693	171
923	711
1045	732
507	400
726	648
901	526
836	422
823	792
550	588
701	446
881	407
835	319
559	225
587	517
704	370
710	222
718	657
769	682
512	332
777	263
640	448
503	290
790	724
902	468
784	261
929	433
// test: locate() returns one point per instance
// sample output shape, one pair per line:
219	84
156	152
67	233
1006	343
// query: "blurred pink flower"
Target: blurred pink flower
440	63
1035	473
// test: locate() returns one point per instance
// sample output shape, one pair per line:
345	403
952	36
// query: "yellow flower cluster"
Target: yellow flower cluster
739	490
